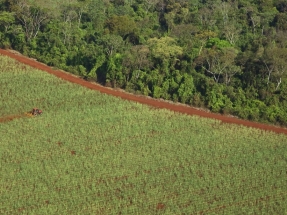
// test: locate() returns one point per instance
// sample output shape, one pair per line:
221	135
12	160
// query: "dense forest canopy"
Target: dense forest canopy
227	55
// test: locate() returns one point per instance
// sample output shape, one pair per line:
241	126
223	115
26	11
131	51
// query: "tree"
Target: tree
31	16
137	58
7	29
114	70
165	52
164	48
121	25
280	21
135	61
220	63
82	7
224	9
275	60
267	14
206	18
186	88
203	36
216	100
97	13
113	46
111	43
231	32
149	4
6	20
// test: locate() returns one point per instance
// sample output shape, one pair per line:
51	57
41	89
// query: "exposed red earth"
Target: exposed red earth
9	118
140	99
12	117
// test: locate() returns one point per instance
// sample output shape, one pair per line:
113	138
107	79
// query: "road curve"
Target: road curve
140	99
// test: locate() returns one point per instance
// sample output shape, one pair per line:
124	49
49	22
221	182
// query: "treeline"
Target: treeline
227	55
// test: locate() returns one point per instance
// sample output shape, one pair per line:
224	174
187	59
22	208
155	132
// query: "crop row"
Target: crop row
90	153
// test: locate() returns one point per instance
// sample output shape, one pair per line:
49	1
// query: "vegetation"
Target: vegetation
226	55
90	153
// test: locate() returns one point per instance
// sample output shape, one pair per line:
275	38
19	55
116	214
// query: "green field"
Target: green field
90	153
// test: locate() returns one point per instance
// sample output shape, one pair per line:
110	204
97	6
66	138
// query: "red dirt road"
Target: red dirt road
141	99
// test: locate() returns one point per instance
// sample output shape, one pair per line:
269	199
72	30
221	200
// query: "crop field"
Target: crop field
91	153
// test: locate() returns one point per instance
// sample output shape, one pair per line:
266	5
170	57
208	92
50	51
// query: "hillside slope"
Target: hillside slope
141	99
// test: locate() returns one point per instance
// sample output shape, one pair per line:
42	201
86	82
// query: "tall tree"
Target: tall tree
165	51
220	63
31	16
275	60
6	21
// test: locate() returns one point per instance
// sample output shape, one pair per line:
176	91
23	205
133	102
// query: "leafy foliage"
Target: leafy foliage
152	46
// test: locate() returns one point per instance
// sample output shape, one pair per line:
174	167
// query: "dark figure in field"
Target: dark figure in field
36	111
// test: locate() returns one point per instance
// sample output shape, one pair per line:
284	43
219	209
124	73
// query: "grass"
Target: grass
90	153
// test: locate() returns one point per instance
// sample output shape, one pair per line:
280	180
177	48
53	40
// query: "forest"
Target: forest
229	56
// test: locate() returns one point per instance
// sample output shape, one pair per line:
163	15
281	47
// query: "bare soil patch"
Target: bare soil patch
10	118
140	99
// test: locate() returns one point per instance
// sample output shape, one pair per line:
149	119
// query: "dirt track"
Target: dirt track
10	118
141	99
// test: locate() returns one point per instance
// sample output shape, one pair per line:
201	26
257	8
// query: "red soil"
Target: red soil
160	206
9	118
140	99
